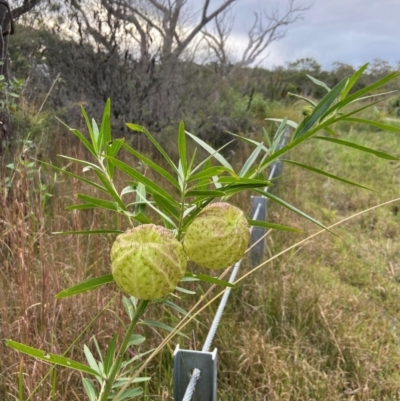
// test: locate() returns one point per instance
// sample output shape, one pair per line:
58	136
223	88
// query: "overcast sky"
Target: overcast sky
348	31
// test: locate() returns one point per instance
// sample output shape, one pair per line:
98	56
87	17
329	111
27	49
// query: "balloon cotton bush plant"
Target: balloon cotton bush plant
185	192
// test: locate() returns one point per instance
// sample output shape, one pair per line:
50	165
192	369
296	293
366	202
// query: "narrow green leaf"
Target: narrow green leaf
211	193
109	358
110	189
90	359
159	212
319	83
81	137
141	178
96	136
352	81
85	180
50	358
105	128
182	148
142	219
166	206
84	162
128	307
209	279
101	203
176	307
90	390
290	207
251	160
87	232
86	286
326	174
248	140
207	173
359	94
140	205
152	165
190	166
90	130
160	325
290	123
185	291
382	126
302	98
138	128
208	159
265	224
211	151
377	153
113	146
81	206
136	339
97	346
130	393
320	109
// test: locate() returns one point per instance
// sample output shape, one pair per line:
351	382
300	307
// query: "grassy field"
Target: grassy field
320	322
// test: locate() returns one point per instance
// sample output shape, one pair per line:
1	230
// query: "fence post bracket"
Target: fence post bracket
185	361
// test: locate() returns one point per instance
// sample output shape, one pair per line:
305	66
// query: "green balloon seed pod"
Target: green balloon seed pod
148	262
218	237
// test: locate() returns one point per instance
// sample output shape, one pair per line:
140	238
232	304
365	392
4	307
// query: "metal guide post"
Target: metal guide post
205	363
257	252
195	372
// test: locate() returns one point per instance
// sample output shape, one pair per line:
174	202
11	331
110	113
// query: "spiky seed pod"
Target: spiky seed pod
218	236
148	261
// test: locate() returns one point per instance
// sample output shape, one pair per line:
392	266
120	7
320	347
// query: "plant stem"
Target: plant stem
107	384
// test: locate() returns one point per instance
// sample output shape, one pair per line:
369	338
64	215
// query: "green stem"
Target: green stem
107	384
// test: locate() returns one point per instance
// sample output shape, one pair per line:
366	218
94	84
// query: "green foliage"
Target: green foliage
10	92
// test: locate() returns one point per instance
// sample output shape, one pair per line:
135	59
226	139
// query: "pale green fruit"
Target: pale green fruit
148	261
218	236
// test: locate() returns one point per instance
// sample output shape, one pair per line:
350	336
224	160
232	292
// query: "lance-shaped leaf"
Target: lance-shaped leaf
209	279
272	226
85	180
141	178
326	174
152	165
81	137
87	232
86	286
138	128
101	203
51	358
211	151
320	109
384	127
290	207
182	148
374	152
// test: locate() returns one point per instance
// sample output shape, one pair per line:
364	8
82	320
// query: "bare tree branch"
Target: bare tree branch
204	21
217	41
260	36
26	7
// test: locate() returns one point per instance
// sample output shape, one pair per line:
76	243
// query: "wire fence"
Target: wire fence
195	372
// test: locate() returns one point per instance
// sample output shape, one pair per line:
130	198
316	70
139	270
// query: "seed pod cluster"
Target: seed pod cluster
148	261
